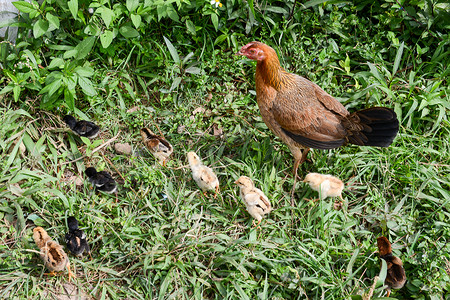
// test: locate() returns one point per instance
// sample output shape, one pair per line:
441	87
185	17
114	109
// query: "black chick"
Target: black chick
76	238
82	128
102	181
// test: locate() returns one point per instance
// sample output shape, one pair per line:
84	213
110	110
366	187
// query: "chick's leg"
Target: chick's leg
70	272
217	192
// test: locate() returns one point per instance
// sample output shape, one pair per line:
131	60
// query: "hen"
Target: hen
395	277
304	116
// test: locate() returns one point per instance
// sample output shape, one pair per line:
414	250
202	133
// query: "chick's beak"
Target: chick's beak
236	182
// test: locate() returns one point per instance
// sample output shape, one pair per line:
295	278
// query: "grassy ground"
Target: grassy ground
164	239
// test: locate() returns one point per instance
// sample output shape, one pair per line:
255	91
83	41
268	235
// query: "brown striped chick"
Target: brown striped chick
52	253
157	145
395	277
255	200
326	185
204	176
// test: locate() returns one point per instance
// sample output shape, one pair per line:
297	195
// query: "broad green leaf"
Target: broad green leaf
25	7
193	70
53	20
176	82
84	71
106	38
215	21
190	27
69	99
16	92
86	86
85	47
57	62
136	19
40	28
172	50
73	7
128	31
107	15
132	5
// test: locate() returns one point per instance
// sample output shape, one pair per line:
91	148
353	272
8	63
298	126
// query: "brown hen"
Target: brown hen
304	116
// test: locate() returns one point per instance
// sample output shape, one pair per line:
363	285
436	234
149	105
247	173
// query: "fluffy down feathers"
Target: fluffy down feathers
326	185
157	145
395	277
255	200
52	253
204	176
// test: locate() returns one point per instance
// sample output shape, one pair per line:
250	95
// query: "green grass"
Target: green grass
164	239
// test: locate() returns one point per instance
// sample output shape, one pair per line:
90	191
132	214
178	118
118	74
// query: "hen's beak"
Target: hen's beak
240	52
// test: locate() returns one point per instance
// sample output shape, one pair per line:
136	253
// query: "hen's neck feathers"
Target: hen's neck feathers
271	73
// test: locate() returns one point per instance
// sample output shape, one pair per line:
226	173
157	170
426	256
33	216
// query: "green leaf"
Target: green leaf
347	65
128	31
84	47
398	58
57	62
107	15
106	38
69	99
53	20
193	70
190	27
172	50
73	7
86	86
84	71
40	28
136	19
25	7
132	5
215	21
16	91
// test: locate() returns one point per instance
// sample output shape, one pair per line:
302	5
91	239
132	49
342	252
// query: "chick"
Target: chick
204	176
395	277
326	185
76	238
157	145
82	128
102	181
255	200
53	255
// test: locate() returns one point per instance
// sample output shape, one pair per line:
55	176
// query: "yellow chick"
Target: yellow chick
157	145
204	176
326	185
255	200
52	253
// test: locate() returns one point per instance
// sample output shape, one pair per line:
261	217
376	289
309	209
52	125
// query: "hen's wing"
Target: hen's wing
309	115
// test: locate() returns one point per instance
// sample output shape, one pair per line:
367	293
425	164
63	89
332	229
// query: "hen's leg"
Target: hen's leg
298	159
